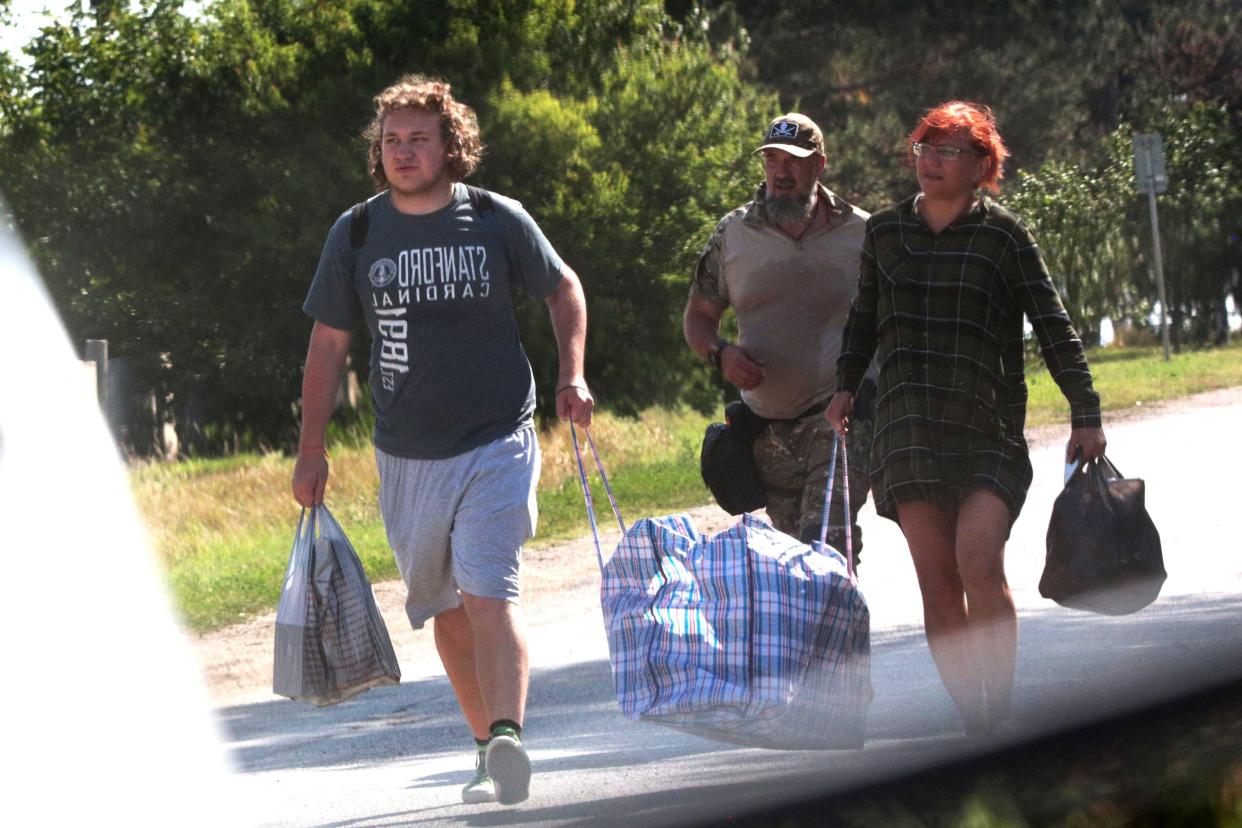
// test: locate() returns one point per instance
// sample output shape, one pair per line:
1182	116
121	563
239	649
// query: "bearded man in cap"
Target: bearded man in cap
787	264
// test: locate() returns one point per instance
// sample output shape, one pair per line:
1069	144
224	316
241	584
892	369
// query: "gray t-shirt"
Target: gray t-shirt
448	371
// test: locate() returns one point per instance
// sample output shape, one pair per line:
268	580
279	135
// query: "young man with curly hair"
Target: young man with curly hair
430	265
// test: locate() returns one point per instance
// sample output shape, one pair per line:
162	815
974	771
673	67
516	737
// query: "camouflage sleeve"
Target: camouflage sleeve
708	282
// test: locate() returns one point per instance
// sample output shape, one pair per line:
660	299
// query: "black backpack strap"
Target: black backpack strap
358	225
480	199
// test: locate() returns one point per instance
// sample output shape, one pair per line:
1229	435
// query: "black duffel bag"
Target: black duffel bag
1104	551
727	461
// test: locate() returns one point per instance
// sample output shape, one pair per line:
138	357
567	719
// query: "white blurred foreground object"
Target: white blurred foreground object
105	718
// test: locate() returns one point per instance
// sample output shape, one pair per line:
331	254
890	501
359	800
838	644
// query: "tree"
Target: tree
630	182
866	72
177	176
1064	78
1094	231
1199	218
1089	250
149	188
1060	75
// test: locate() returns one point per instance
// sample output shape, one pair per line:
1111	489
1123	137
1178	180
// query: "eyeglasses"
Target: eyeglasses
946	153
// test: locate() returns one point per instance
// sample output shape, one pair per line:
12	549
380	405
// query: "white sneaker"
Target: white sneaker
481	788
508	766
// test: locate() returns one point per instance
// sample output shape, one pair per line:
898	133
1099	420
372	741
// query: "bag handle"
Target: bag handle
616	510
1102	462
311	516
1109	465
294	558
837	443
586	489
327	522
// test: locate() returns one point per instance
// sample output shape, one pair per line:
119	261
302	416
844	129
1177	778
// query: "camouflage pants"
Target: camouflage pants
792	457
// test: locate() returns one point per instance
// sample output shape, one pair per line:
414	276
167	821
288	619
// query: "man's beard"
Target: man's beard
788	209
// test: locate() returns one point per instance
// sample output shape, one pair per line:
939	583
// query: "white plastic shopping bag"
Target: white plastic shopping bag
331	641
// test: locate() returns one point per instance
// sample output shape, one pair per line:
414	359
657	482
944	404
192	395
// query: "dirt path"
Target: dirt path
560	584
560	595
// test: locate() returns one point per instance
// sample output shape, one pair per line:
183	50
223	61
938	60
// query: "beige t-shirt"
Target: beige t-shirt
791	298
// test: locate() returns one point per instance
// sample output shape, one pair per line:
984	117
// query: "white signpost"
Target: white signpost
1151	178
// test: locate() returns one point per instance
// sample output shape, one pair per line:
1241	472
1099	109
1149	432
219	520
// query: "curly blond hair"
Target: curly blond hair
459	127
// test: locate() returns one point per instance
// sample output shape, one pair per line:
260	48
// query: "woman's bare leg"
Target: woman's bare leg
982	524
931	534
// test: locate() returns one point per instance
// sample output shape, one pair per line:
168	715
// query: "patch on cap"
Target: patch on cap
785	130
794	133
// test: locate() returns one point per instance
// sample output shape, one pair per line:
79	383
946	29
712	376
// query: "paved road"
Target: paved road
396	756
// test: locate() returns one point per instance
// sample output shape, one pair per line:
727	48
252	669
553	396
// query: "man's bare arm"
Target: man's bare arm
325	360
567	307
701	327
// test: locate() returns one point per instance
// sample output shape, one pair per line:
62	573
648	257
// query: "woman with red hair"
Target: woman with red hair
946	278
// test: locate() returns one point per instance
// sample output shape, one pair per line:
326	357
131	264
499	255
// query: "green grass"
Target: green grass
1127	378
666	486
229	580
223	528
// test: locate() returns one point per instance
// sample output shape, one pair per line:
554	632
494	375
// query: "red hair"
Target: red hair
977	119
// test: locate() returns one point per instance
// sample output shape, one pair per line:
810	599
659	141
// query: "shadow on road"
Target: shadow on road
1074	669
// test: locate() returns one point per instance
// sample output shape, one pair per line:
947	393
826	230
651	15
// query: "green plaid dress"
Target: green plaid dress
942	313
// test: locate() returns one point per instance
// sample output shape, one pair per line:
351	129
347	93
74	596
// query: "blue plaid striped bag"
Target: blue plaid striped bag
747	636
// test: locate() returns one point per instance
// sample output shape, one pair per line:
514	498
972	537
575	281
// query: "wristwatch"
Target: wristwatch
713	356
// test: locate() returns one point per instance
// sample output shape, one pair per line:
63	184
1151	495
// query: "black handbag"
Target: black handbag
727	460
1104	551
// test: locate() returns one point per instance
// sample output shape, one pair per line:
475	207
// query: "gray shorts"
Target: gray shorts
458	524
